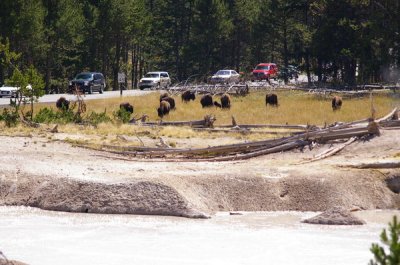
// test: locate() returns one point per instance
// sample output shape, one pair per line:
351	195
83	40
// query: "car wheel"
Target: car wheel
90	90
101	89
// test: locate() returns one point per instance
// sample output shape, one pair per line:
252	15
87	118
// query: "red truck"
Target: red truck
265	71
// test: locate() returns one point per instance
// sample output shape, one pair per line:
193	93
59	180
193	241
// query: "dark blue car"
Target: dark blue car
88	82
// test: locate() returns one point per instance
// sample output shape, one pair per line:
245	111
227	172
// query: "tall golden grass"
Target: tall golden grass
294	108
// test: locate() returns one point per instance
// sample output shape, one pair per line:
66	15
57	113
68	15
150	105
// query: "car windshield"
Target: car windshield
83	76
222	72
262	67
152	75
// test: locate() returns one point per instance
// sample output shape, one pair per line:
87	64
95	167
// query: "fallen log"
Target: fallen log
391	116
267	151
375	165
207	122
330	152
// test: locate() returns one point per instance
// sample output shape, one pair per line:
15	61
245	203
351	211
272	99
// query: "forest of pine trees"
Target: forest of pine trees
347	41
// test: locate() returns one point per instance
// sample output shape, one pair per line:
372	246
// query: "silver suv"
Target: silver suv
155	80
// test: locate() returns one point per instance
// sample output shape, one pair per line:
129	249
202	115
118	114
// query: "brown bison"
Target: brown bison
164	95
62	103
188	95
336	103
163	109
126	106
206	101
226	101
271	99
170	100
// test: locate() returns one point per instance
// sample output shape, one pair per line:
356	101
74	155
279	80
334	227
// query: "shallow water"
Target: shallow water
42	237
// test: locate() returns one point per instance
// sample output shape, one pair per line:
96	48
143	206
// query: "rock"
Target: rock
335	216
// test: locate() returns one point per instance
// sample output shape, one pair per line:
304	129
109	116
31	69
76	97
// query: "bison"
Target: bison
170	100
188	95
226	101
163	109
271	99
126	106
206	101
336	103
164	95
62	103
217	104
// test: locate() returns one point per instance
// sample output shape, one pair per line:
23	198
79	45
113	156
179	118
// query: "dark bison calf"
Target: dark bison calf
188	95
126	106
336	103
217	104
170	100
271	99
206	101
226	101
163	109
62	103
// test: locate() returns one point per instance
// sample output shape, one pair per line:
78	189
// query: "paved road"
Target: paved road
107	94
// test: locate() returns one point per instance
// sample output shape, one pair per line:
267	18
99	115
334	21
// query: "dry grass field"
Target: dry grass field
294	108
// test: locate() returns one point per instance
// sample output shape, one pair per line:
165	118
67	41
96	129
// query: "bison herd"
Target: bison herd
167	103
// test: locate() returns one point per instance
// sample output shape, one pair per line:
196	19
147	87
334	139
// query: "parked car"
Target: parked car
88	82
155	80
291	72
225	76
265	71
8	91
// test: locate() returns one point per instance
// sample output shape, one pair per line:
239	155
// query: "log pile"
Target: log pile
344	131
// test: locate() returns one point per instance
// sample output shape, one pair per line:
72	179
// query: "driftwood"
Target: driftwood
331	151
248	150
241	150
375	165
207	122
391	116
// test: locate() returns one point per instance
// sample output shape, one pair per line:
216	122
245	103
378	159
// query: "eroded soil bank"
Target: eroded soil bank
56	176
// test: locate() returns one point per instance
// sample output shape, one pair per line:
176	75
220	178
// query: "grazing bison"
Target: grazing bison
188	95
62	103
271	99
126	106
170	100
226	101
336	103
218	105
206	101
164	95
163	109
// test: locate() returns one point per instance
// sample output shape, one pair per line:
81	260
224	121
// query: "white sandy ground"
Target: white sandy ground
54	175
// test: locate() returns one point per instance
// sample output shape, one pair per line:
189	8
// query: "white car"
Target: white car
156	80
11	91
8	91
225	76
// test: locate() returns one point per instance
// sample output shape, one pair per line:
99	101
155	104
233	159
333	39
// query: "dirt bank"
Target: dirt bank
56	176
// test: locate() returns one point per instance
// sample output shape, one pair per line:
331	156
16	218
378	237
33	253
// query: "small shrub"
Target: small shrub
122	115
95	118
393	244
9	117
48	115
45	115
